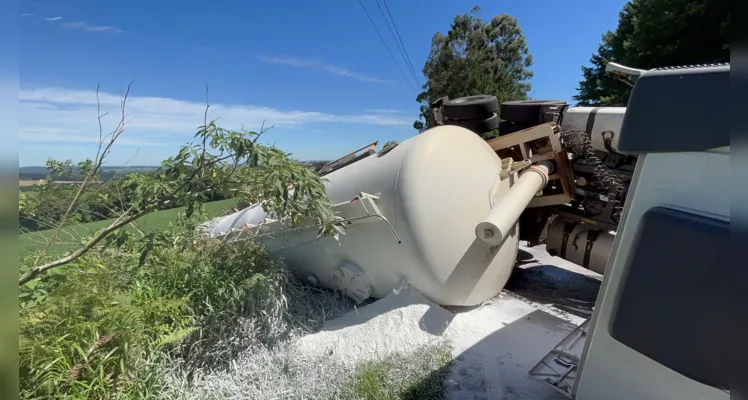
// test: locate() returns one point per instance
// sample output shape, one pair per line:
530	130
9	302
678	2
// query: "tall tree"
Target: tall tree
653	34
476	57
598	87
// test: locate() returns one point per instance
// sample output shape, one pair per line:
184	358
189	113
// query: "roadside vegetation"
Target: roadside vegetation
287	373
71	236
102	315
41	206
140	306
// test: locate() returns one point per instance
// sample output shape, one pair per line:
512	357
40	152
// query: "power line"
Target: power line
410	63
387	47
402	53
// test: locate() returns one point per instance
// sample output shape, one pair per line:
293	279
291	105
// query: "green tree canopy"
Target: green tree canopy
654	34
476	57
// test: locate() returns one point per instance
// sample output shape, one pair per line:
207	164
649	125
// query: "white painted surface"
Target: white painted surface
694	182
607	119
434	188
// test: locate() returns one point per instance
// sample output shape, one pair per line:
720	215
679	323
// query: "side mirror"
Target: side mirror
625	74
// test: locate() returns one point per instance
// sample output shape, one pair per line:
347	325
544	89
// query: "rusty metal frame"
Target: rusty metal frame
553	150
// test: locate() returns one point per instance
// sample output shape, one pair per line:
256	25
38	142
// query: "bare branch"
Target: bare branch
262	131
99	116
97	164
112	181
180	189
205	126
207	106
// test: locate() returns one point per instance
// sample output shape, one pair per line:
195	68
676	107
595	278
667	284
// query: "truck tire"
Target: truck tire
507	127
526	110
477	125
471	107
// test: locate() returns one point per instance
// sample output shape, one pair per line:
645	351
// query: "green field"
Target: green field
71	237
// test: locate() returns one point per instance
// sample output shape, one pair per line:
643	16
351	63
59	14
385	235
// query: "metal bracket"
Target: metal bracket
608	139
561	365
525	145
568	228
363	208
591	238
368	205
509	167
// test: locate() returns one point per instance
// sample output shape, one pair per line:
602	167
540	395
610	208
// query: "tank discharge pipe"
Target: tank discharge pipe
505	213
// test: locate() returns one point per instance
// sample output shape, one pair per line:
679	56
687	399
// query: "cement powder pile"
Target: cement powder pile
395	324
494	346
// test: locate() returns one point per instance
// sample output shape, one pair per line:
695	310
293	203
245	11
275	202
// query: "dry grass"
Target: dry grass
286	373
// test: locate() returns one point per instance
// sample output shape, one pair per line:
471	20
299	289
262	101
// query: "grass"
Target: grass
416	376
71	237
370	381
286	372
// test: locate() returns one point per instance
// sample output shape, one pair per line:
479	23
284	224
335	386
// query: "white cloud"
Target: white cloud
62	115
91	28
319	65
383	111
76	25
74	136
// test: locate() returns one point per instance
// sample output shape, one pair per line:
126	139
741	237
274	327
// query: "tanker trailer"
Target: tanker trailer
437	212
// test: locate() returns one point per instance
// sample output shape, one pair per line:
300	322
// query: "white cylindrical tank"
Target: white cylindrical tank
434	189
602	124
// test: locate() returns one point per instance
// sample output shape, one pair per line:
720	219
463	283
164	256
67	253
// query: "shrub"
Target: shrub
96	327
102	321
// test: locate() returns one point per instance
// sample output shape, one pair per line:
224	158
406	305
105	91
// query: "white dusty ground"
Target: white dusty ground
494	345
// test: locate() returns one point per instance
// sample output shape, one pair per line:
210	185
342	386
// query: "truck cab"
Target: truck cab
665	312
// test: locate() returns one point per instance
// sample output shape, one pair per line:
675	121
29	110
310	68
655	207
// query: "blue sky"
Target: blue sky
317	71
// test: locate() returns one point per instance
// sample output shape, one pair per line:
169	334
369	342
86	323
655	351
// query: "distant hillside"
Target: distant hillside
37	172
38	169
316	165
34	173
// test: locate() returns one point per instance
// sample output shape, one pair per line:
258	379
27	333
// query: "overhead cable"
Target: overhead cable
399	47
387	47
397	32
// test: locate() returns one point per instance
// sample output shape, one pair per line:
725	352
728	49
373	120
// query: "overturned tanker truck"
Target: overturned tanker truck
445	210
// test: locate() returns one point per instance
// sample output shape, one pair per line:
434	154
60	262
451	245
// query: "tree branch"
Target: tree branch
182	187
205	125
120	222
97	164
